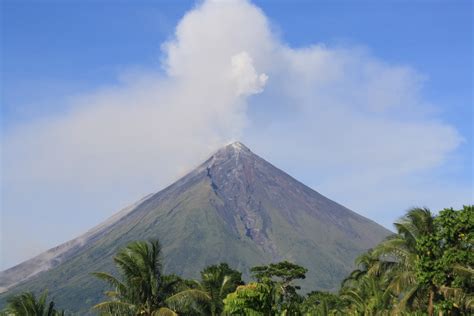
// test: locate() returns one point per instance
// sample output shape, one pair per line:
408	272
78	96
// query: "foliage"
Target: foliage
206	297
143	289
27	304
253	299
427	266
284	271
322	303
370	297
447	258
455	241
273	294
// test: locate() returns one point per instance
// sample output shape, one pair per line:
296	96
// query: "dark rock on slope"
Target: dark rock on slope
234	208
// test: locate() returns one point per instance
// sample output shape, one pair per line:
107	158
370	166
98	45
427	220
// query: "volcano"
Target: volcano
235	208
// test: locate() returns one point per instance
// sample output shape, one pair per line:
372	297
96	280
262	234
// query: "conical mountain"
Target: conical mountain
235	208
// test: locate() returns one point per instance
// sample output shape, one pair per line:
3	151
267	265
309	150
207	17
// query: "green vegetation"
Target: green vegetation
27	304
206	297
425	268
142	290
273	294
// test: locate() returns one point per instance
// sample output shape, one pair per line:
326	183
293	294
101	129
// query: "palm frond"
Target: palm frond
116	307
188	299
164	311
113	281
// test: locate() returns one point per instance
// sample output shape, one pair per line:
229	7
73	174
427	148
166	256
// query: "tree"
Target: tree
27	304
274	292
142	288
253	299
206	296
446	260
402	254
371	296
281	276
427	265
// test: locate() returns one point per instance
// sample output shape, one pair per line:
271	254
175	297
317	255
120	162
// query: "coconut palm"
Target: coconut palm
365	290
141	291
391	265
27	304
369	264
206	297
400	253
322	303
370	296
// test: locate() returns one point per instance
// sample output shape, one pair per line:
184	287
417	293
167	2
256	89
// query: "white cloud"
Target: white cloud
338	113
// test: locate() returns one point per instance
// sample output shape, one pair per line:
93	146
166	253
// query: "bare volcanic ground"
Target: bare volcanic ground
235	208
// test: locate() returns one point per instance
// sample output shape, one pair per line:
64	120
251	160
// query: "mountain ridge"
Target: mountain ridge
234	207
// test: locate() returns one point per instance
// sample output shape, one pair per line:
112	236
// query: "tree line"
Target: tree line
425	268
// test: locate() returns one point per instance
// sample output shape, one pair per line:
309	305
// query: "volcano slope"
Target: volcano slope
235	208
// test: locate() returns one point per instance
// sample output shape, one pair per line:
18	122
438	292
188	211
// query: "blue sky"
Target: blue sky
396	75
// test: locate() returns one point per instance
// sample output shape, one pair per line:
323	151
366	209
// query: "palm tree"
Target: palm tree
27	304
369	264
142	288
391	266
322	303
206	297
370	296
400	253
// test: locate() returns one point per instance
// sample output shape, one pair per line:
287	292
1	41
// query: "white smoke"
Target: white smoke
246	78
